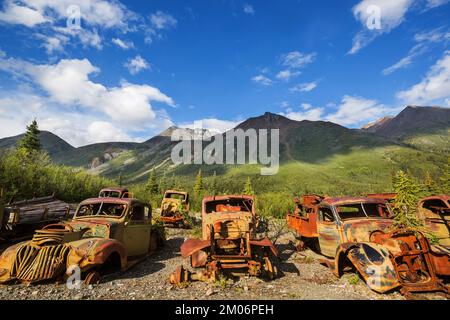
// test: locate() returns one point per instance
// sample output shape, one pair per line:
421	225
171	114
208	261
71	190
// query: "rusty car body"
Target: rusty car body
174	208
358	233
229	242
106	234
434	211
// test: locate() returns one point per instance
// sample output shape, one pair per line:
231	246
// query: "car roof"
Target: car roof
115	189
350	200
440	197
126	201
176	191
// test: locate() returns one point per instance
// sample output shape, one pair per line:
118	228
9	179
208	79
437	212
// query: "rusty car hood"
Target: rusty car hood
359	230
100	227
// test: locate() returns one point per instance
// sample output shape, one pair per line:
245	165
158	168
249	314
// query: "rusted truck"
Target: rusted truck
358	234
175	209
115	193
229	242
105	235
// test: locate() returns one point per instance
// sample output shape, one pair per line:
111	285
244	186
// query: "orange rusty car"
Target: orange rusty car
105	235
175	208
229	242
358	233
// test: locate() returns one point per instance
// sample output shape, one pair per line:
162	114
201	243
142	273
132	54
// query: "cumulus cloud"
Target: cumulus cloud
434	87
306	112
392	14
122	44
67	83
263	80
304	87
356	111
352	111
136	65
297	60
15	13
30	13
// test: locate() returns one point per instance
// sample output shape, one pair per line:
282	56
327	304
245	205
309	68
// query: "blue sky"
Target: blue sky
133	68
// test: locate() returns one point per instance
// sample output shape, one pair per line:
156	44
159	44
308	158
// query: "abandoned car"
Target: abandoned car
229	242
175	208
359	234
115	193
105	235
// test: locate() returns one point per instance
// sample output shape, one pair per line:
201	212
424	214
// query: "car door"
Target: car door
329	238
137	230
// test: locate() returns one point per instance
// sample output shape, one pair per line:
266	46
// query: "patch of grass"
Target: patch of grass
353	279
221	282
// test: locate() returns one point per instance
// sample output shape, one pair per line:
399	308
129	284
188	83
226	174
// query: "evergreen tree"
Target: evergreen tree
248	187
198	186
405	206
30	141
163	183
213	186
445	179
152	184
429	187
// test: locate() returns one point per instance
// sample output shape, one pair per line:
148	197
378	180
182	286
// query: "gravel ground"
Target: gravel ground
301	277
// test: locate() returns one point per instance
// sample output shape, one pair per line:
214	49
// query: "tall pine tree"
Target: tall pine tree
30	141
152	184
406	200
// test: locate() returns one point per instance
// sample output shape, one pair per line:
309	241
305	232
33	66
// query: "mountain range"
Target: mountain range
311	145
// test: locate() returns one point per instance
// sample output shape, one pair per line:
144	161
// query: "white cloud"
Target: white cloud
2	53
67	83
137	64
436	3
356	111
435	87
85	36
213	125
392	15
304	87
297	60
307	112
30	13
286	75
263	80
248	9
53	44
122	44
15	13
424	39
159	22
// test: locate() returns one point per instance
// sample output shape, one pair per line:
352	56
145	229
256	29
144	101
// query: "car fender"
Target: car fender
7	259
90	252
372	261
265	243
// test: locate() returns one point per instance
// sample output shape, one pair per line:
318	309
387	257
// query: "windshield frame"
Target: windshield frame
125	211
366	216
